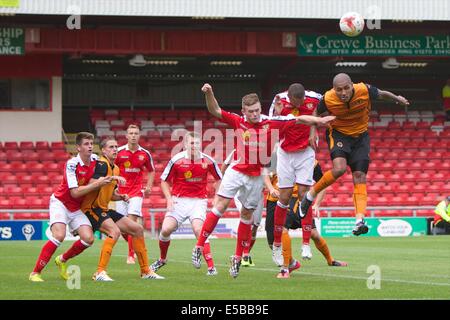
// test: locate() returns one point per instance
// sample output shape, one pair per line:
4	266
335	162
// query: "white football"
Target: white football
351	24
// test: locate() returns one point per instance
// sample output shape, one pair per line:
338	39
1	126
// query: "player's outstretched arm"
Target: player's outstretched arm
211	102
389	96
311	120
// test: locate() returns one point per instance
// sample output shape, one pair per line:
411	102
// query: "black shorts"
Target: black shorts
353	149
292	220
96	216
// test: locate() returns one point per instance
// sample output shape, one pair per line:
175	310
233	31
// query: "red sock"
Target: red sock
248	248
46	253
307	226
278	223
130	246
244	229
163	248
207	255
125	236
207	228
77	248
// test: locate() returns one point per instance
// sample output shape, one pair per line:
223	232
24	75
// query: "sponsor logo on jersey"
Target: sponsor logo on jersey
246	136
188	174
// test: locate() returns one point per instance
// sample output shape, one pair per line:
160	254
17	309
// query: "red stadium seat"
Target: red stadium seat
14	191
342	213
11	146
59	145
20	203
424	213
42	145
14	155
6	167
26	145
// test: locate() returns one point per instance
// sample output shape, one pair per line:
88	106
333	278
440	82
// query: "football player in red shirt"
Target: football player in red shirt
65	205
188	199
254	132
133	160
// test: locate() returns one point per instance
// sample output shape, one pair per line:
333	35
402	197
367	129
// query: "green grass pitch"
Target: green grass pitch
411	268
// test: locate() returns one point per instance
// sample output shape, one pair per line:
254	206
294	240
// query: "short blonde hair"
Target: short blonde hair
250	99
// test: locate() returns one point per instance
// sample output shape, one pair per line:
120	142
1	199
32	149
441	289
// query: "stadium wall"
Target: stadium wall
35	125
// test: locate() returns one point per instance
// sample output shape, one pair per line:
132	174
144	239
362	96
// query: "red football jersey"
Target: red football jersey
131	165
297	137
255	140
190	178
76	174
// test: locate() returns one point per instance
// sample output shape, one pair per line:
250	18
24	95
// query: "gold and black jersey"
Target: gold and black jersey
101	197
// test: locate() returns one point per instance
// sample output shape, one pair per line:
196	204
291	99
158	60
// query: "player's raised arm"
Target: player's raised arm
311	120
211	102
276	107
389	96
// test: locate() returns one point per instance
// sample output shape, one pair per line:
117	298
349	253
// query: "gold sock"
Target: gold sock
322	246
360	198
326	180
286	245
141	252
105	254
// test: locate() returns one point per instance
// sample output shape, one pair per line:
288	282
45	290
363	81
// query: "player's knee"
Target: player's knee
284	197
359	177
114	233
88	239
165	233
59	236
339	171
137	230
315	235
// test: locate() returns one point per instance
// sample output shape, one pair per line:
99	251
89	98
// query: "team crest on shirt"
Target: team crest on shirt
310	106
188	174
265	127
127	164
204	166
340	144
295	112
141	157
103	214
246	135
82	182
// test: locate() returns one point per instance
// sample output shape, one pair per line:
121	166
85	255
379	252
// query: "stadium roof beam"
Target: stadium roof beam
438	10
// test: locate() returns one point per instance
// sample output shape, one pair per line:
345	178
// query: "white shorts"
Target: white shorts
257	214
295	167
133	206
184	208
249	188
60	214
